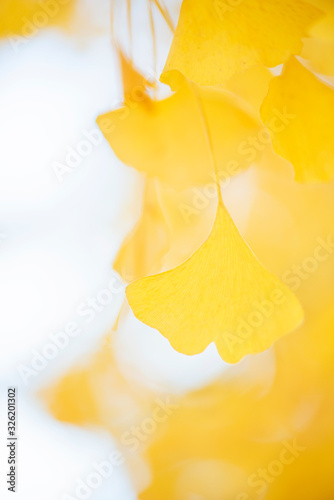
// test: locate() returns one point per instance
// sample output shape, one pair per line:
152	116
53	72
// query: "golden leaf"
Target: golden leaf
215	39
133	80
166	139
319	48
143	249
222	294
25	17
252	86
304	134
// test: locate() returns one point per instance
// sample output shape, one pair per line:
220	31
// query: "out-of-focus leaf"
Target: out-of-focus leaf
215	39
304	134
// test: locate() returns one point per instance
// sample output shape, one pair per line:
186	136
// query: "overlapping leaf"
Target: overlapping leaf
215	39
24	18
168	139
143	249
222	294
305	135
319	48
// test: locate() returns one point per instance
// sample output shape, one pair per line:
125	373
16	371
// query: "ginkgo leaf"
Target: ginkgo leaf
143	249
24	18
73	399
166	139
133	81
256	426
324	5
319	48
215	39
189	215
286	222
222	294
305	135
252	86
81	396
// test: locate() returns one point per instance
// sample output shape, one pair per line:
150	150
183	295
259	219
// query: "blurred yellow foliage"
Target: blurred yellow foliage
263	430
306	137
24	18
215	39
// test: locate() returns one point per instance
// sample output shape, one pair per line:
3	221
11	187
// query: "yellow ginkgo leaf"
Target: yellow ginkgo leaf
319	48
142	251
134	83
252	86
222	294
215	39
166	139
189	215
80	397
324	5
256	428
306	137
24	18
